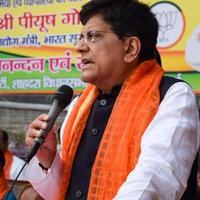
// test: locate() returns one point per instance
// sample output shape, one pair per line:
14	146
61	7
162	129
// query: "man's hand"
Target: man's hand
47	150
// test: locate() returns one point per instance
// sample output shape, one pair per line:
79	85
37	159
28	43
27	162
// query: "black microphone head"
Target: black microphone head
63	95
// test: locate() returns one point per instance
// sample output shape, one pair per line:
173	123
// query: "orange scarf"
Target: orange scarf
7	168
3	185
135	107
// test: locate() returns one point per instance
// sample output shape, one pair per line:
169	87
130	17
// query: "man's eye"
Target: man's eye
80	37
92	36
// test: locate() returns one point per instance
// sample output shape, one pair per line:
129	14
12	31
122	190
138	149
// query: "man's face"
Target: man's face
102	55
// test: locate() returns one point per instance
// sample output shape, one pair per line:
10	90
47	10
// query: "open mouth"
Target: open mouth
85	63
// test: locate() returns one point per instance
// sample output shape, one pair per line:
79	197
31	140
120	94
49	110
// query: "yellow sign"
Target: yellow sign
177	20
37	38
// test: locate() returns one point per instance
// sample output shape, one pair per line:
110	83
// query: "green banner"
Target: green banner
37	52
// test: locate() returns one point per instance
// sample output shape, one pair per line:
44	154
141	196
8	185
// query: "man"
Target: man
192	49
3	183
118	141
13	163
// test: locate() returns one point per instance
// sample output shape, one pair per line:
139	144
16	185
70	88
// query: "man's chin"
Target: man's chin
87	79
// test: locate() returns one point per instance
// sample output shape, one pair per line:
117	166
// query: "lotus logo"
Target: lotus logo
171	23
166	22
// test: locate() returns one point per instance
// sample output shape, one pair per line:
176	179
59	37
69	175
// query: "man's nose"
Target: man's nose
82	46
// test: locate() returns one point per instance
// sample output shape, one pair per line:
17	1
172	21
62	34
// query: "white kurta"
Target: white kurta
168	149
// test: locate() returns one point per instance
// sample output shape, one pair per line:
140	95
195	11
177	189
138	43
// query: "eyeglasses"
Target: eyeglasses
91	36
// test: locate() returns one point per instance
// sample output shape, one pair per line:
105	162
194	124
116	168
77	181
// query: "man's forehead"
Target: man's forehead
95	22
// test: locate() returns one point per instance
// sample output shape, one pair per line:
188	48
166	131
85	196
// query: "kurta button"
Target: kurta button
87	163
78	193
103	102
94	131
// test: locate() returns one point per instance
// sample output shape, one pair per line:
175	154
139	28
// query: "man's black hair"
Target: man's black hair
4	135
158	57
2	160
126	18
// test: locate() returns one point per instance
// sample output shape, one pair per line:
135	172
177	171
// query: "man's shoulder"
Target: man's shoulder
166	83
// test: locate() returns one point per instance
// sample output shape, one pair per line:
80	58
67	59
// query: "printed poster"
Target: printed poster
37	37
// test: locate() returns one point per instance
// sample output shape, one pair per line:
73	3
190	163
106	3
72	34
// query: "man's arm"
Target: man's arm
168	149
47	182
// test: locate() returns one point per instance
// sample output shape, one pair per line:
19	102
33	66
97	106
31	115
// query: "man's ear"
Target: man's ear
132	49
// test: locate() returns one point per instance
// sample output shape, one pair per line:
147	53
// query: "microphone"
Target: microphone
60	100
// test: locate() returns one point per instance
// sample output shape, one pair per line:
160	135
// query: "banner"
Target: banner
37	37
37	52
179	38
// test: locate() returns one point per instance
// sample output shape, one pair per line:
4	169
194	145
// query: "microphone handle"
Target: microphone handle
53	114
33	151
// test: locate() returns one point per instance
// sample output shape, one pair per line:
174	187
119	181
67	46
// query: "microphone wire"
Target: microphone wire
61	99
13	184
